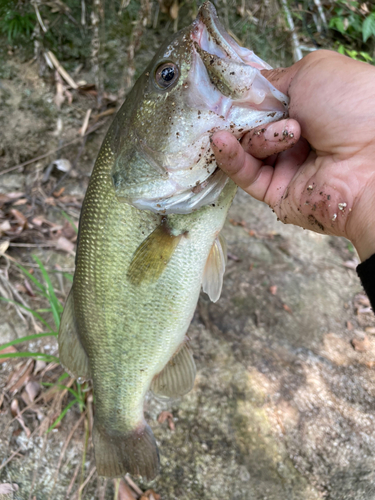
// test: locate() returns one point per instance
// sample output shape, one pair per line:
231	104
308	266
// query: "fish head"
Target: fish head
200	81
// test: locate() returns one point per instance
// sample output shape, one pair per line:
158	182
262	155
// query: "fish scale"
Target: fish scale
117	307
149	235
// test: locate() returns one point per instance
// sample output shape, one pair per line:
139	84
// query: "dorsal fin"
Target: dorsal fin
212	281
153	254
72	354
177	377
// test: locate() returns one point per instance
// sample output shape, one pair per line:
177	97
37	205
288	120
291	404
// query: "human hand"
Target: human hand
326	180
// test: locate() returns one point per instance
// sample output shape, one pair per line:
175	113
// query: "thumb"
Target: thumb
281	77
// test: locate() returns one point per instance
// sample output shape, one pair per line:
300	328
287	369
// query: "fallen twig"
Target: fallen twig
131	483
69	80
71	484
80	489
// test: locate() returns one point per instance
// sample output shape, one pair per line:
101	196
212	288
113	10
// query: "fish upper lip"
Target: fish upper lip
207	22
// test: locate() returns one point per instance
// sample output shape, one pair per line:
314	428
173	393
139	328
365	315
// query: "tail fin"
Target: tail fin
135	452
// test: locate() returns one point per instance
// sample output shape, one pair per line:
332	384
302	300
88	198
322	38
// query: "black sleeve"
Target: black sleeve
366	273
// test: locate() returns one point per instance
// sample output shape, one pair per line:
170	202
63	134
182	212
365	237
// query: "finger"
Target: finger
271	139
286	167
281	77
246	171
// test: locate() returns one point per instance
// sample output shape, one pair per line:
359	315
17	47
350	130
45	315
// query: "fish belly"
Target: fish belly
130	331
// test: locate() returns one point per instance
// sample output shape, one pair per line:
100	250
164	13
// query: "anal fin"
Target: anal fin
73	357
213	274
153	254
177	377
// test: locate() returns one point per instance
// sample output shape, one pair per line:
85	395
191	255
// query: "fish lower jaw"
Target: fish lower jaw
188	201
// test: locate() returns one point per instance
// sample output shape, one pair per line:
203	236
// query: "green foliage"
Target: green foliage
16	25
368	27
355	24
46	290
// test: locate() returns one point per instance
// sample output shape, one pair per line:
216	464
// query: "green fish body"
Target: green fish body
150	234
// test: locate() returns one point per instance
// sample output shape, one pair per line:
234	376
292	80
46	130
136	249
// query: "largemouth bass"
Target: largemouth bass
149	233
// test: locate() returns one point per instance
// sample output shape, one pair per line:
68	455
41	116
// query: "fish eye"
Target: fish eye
166	75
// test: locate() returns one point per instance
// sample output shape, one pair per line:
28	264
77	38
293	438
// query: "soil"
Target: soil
283	404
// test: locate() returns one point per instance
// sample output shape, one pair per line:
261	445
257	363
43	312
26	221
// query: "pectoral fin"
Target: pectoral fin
72	354
177	377
153	254
212	282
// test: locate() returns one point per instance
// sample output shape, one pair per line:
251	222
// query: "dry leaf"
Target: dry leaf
29	290
361	345
5	226
32	389
68	231
58	193
124	492
273	289
14	407
9	198
4	245
39	366
20	377
6	351
63	244
4	198
8	488
150	494
19	217
50	201
287	309
62	164
370	330
15	410
21	201
166	415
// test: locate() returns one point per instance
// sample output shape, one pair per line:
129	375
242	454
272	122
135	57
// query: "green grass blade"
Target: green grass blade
34	313
53	300
36	355
27	338
62	415
63	377
68	276
69	219
62	387
32	278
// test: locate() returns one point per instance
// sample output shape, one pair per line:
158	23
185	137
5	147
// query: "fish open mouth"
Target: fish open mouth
227	79
211	37
226	87
232	69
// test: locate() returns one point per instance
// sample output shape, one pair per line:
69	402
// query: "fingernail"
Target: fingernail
274	134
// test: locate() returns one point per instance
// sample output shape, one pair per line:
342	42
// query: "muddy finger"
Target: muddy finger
271	139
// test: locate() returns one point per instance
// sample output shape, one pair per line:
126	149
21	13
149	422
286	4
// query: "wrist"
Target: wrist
365	245
363	226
